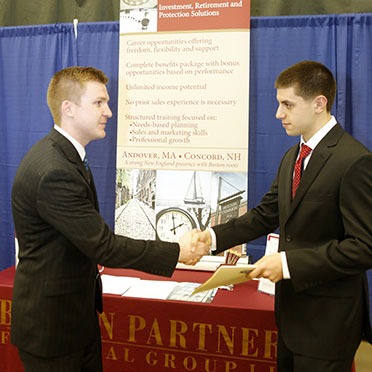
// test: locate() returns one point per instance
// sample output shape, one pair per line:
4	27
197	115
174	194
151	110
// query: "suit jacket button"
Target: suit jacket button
288	238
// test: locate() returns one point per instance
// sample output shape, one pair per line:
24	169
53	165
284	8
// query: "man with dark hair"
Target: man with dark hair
321	201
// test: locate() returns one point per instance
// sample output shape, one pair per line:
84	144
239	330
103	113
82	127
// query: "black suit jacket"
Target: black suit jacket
326	231
62	237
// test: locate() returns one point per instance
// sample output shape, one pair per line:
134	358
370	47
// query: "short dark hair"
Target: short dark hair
309	79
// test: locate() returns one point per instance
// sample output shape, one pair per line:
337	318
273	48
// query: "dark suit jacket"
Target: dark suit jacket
62	237
326	232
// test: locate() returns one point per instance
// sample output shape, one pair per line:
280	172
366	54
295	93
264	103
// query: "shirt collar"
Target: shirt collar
320	134
79	148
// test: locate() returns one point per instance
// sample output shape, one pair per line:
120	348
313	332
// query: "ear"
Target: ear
67	108
320	104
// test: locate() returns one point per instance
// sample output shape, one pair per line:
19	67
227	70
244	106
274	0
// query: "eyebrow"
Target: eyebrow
102	98
286	101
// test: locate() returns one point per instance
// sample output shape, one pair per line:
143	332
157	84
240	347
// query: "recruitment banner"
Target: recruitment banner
183	114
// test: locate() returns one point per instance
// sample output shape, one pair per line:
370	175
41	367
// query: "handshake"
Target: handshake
193	246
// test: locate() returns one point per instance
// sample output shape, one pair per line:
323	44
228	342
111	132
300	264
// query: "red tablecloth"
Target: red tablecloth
236	332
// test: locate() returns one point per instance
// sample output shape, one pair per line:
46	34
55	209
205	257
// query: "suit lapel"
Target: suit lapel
319	157
316	163
93	187
72	155
69	151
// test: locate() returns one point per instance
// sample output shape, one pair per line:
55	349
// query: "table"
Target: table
236	332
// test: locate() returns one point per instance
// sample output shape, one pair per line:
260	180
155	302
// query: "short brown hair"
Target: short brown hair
69	84
309	79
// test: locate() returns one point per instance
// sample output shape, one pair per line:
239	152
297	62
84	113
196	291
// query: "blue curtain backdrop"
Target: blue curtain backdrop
30	55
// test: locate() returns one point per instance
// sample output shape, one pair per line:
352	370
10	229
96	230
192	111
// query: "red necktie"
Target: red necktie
305	151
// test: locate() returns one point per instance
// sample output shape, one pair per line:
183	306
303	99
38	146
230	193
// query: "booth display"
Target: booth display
31	55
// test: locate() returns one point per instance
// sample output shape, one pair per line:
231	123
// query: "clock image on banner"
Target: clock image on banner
172	223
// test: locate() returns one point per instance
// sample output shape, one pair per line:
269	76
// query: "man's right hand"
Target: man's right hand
192	247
